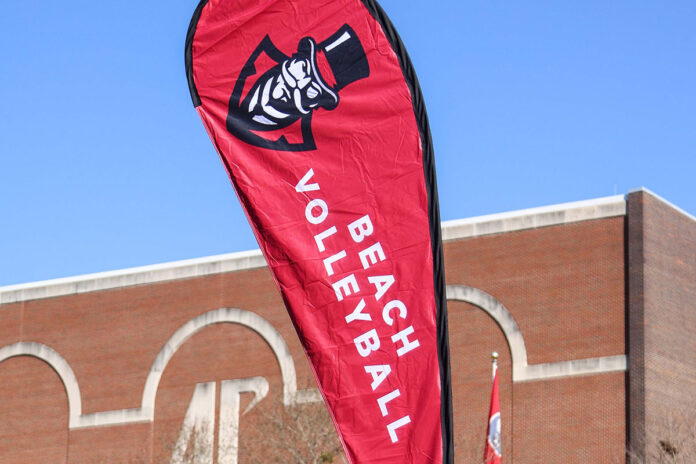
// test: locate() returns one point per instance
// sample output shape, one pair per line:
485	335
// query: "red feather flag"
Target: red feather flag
492	451
316	113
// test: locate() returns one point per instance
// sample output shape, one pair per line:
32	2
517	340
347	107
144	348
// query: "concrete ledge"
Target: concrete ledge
451	230
571	368
134	276
666	202
108	418
534	218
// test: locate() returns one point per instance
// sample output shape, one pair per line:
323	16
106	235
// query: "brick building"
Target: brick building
591	306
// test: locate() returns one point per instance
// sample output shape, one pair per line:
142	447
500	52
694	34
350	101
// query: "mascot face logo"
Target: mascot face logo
284	96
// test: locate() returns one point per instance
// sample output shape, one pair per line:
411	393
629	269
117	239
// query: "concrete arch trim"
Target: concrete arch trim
501	315
220	316
58	364
146	412
521	370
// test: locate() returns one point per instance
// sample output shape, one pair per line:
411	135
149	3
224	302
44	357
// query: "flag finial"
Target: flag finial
494	362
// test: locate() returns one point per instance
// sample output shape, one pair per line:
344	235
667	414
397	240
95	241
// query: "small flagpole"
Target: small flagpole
495	357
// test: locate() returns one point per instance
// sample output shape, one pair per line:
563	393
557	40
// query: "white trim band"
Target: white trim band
461	228
155	273
533	218
590	366
666	202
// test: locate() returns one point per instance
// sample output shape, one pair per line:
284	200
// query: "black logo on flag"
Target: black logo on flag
286	94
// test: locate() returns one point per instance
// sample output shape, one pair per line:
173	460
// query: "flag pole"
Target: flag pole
495	356
492	449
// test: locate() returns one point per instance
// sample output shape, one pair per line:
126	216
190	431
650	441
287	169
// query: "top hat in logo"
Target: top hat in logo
292	88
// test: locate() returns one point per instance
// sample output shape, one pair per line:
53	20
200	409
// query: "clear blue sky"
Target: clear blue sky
106	165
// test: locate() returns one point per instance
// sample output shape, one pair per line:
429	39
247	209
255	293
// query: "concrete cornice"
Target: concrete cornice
666	202
451	230
164	272
534	218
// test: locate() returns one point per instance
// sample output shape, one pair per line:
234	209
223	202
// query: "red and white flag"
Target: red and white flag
316	113
492	453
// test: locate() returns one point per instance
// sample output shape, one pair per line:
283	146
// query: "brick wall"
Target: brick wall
662	321
564	286
110	339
